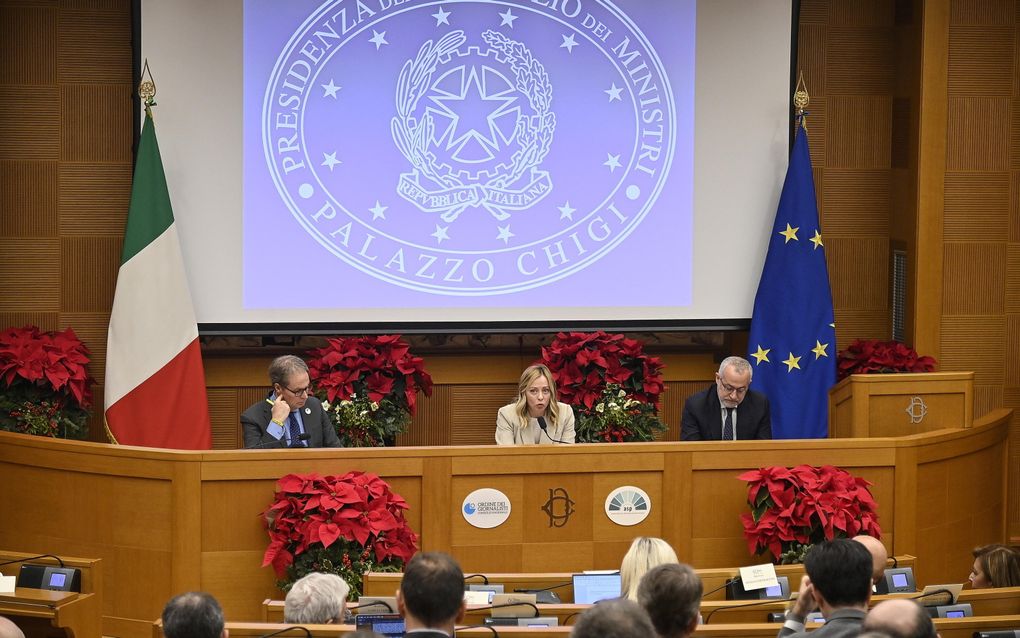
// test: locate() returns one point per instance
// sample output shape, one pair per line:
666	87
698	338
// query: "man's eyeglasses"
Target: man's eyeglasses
729	389
302	391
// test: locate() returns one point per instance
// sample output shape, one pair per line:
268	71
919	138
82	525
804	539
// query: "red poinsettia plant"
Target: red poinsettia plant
345	525
610	382
793	508
369	386
866	356
45	388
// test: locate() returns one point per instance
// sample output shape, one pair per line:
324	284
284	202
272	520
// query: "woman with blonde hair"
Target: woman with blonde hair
995	566
521	422
644	554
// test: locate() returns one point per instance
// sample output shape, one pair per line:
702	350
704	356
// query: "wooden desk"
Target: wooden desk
258	629
40	612
168	521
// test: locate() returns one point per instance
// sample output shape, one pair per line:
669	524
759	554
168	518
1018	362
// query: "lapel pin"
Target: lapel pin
308	410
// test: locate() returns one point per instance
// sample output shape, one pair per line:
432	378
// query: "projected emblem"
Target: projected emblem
469	148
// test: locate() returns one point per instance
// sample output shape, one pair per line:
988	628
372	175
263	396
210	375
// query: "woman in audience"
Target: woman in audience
536	417
995	566
644	554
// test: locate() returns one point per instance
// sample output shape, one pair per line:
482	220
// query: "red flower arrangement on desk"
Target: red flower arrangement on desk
345	525
369	386
612	385
866	356
44	382
793	508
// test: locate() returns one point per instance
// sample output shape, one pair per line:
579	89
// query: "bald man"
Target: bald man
879	556
900	618
9	630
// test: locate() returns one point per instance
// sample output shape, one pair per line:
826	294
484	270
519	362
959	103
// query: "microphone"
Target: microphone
765	601
535	591
28	558
542	424
485	578
945	598
489	627
735	579
502	605
304	436
286	629
374	603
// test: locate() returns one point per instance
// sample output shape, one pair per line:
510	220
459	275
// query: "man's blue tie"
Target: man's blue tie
295	431
727	428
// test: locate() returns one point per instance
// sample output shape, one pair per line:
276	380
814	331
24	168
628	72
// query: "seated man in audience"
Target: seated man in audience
431	595
837	582
728	410
317	599
9	630
289	416
671	594
195	614
900	618
615	618
879	556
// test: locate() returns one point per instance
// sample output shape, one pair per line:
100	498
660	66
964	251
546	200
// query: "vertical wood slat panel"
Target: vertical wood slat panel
430	425
981	12
974	279
224	419
856	202
859	271
28	199
974	342
1012	303
861	324
94	198
1012	351
27	35
978	134
858	131
861	13
29	123
980	61
472	420
859	61
96	124
30	270
89	273
92	43
977	206
811	58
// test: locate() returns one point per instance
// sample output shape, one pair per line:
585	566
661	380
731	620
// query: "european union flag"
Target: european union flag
793	336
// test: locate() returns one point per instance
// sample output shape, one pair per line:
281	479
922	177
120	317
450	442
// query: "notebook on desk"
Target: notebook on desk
591	588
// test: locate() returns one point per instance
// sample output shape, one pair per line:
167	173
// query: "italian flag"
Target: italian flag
155	384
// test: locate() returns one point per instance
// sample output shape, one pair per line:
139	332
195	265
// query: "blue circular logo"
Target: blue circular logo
469	508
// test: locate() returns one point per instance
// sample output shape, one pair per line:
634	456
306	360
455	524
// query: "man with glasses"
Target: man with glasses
729	410
289	416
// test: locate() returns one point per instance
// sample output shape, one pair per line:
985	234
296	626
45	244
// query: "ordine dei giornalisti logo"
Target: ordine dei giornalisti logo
468	148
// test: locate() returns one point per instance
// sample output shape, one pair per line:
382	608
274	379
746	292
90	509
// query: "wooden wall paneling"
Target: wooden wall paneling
1014	177
811	58
431	425
987	398
854	261
859	61
224	418
673	400
1012	354
472	420
858	131
982	12
26	37
977	206
45	320
88	277
94	198
30	270
861	324
861	13
29	123
28	199
857	203
814	12
91	43
978	133
981	59
975	276
902	132
96	122
974	343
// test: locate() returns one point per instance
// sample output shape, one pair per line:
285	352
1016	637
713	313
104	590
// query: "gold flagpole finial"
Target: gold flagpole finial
147	89
801	99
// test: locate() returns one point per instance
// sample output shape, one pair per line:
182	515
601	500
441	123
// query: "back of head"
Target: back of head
671	595
1001	564
900	618
432	588
841	571
194	614
879	555
9	630
616	618
644	553
316	598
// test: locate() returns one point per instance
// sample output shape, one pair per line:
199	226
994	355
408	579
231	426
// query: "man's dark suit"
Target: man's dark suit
256	419
702	419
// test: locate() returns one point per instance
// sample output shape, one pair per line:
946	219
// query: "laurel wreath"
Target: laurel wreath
533	134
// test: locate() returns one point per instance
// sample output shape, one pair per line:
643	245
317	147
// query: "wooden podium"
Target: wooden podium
900	404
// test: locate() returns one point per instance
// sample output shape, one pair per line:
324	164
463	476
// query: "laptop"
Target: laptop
389	625
591	588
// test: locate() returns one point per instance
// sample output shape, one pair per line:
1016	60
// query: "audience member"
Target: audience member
316	599
995	566
518	423
9	630
644	553
838	583
194	614
431	595
879	555
671	595
616	618
900	618
289	416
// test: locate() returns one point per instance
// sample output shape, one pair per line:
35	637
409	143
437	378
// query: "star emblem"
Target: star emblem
761	355
568	43
378	39
440	233
790	233
441	17
505	234
614	92
819	349
508	19
378	211
613	162
817	240
567	211
329	160
792	362
474	114
330	89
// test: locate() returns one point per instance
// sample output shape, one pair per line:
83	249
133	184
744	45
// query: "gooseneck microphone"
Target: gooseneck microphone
735	579
308	633
304	436
28	558
542	424
484	578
